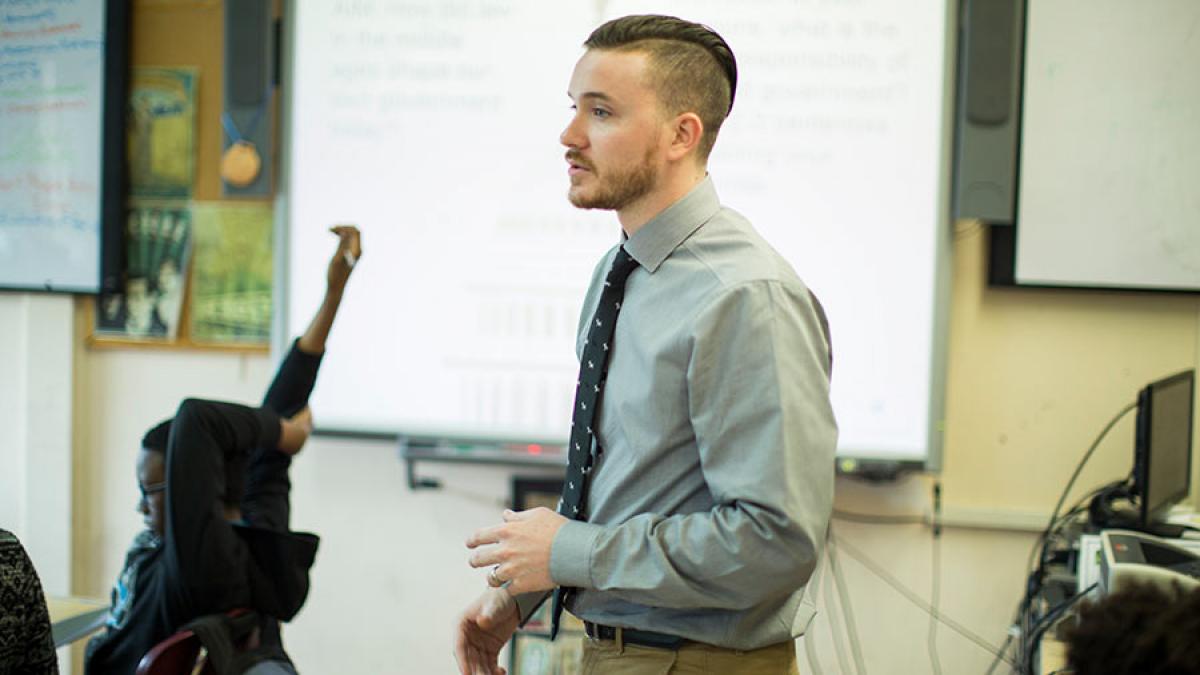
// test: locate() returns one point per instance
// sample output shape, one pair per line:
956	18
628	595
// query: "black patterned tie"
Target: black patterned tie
593	367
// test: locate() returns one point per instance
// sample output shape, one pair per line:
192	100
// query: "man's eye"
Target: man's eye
600	112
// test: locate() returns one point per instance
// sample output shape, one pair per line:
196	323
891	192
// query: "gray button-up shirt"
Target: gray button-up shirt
708	506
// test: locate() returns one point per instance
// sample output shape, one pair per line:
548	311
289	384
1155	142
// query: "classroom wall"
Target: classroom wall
1033	377
35	432
35	423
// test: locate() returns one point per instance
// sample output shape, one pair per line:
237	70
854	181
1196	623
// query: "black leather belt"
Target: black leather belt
644	638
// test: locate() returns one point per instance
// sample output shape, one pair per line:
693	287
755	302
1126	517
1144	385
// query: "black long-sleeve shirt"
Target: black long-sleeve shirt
204	564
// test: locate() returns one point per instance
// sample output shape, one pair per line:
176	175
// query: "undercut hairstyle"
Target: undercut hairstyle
692	68
1139	630
156	439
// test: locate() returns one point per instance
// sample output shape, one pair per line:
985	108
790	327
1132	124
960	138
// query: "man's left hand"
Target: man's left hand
519	549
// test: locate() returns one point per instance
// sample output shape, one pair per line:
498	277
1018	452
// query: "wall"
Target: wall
35	422
1033	376
35	432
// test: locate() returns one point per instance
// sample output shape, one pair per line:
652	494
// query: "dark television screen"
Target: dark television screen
1163	446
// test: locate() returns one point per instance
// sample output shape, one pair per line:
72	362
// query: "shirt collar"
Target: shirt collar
659	237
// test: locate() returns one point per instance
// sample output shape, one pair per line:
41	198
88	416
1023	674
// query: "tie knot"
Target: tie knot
623	265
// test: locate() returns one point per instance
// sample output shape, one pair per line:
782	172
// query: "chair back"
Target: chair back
176	655
182	653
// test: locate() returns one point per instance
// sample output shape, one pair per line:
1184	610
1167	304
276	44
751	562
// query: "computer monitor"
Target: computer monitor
1162	465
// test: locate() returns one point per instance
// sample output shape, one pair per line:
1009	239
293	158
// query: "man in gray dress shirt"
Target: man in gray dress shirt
712	488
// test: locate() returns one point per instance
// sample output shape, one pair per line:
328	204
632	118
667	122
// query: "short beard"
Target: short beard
619	189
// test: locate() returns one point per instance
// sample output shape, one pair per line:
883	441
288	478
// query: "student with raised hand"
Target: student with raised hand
215	502
701	454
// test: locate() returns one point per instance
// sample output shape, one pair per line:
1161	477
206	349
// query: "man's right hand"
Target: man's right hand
484	628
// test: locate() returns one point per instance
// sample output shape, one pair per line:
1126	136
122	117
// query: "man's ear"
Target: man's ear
686	132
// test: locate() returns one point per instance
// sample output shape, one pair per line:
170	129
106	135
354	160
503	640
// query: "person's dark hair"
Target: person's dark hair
1139	630
156	438
692	67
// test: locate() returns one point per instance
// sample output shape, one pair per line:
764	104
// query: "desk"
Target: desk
72	618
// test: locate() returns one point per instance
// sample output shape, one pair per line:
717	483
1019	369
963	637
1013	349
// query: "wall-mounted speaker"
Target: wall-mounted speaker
987	114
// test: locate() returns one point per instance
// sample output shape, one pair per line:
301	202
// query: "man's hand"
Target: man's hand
484	628
348	252
293	432
519	548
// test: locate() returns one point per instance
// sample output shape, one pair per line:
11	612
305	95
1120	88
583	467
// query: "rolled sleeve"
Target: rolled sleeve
571	554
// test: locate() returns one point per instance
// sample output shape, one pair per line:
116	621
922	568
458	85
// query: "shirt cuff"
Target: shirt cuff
299	354
571	554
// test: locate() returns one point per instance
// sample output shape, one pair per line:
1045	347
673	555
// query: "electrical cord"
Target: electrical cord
874	519
1047	537
1048	621
999	655
913	598
1034	576
810	652
847	609
1088	455
839	648
935	583
1078	507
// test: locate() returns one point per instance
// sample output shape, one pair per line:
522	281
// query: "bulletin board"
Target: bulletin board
198	264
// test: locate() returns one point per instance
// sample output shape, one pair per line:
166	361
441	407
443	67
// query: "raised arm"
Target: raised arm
348	252
205	559
266	502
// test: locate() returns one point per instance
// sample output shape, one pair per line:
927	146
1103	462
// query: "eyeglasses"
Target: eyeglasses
153	488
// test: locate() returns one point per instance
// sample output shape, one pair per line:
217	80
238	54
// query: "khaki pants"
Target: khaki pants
605	657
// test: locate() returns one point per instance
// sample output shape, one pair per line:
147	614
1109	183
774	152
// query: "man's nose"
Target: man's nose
572	136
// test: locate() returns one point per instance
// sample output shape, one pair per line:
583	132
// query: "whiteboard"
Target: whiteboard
1110	145
434	126
52	82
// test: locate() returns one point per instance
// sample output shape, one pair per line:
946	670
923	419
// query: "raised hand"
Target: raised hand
348	252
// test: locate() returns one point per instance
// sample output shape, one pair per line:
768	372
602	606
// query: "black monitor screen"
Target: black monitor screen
1164	445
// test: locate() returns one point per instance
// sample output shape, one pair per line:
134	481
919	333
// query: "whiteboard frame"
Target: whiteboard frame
1003	250
849	461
